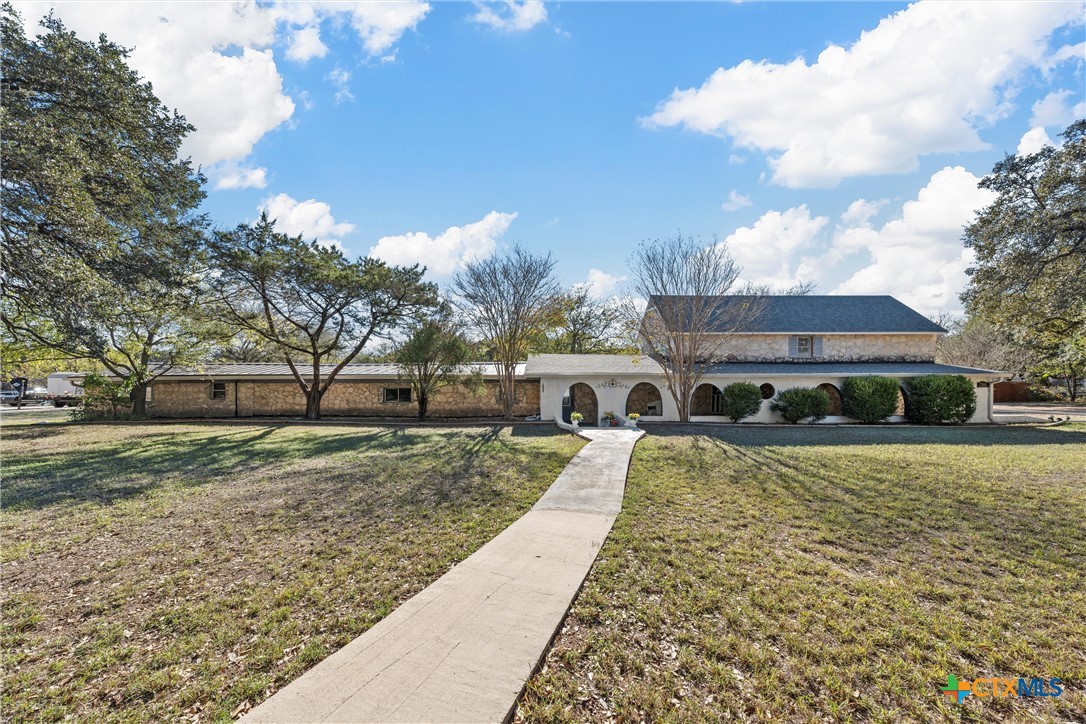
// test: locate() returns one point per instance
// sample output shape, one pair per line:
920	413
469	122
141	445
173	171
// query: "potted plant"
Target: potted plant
611	419
633	417
575	419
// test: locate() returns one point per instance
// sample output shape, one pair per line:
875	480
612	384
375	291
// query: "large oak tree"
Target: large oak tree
317	307
1030	244
101	235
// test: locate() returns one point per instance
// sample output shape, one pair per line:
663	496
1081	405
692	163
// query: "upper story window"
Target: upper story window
805	346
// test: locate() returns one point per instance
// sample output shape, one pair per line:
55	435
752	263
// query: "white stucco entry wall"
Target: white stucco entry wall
612	390
611	393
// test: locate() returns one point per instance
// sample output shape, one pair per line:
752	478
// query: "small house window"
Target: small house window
218	390
804	346
397	394
767	391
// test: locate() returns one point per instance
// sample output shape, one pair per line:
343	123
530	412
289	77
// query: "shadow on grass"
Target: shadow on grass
818	435
919	497
116	470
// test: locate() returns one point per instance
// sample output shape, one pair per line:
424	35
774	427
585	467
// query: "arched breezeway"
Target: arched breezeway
835	398
581	398
645	399
707	400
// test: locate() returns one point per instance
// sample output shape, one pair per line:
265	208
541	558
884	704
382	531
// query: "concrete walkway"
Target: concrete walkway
461	650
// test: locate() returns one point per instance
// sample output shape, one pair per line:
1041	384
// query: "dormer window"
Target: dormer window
804	346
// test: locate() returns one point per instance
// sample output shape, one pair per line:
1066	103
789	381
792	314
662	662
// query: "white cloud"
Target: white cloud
311	219
735	201
380	25
510	16
214	61
1033	141
766	249
918	257
340	78
234	176
445	253
1055	110
602	284
861	211
306	44
918	83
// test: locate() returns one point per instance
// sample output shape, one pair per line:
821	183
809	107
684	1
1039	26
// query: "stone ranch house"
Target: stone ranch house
808	341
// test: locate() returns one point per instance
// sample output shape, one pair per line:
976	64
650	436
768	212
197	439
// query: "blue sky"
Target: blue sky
833	142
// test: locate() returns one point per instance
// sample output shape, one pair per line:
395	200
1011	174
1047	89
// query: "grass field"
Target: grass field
831	574
180	572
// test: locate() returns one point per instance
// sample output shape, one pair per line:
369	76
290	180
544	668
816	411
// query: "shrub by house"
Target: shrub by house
935	399
869	399
740	399
801	403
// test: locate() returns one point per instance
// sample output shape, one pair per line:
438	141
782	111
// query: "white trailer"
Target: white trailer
65	388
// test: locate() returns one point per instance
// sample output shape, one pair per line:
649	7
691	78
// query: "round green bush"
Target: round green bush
869	399
740	399
800	403
935	399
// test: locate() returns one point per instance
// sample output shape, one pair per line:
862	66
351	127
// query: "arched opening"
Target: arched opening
900	409
707	400
835	398
767	391
646	400
581	398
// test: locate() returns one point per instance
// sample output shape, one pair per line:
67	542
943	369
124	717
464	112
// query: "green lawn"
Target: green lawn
169	572
814	574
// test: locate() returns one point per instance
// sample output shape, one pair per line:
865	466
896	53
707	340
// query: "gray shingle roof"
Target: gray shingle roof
575	365
843	369
374	370
591	364
824	314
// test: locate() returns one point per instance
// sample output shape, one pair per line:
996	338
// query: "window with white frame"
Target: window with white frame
218	390
804	346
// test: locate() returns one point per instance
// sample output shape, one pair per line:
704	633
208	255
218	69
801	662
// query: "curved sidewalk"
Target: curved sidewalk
461	649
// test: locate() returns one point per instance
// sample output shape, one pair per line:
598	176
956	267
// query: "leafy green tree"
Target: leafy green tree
582	323
101	237
1066	364
1030	243
317	307
434	355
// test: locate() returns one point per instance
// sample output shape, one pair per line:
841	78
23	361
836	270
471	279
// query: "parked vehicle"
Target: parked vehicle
66	388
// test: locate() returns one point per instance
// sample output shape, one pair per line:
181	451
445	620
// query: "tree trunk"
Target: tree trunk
313	403
139	400
509	382
424	402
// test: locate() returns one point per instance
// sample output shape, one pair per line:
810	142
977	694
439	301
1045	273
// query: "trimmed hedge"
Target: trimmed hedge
799	403
869	399
741	399
935	399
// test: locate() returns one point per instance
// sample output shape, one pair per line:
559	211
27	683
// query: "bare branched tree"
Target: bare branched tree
507	299
975	342
690	318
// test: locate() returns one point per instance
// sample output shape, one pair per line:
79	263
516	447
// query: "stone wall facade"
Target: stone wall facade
355	398
835	348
